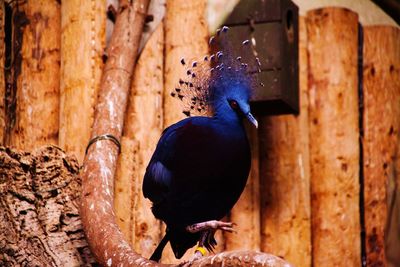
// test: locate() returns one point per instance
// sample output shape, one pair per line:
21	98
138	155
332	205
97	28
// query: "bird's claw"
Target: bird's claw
211	225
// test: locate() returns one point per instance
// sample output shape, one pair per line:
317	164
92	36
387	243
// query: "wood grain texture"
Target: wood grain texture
125	186
392	240
285	176
81	66
186	36
334	136
37	92
246	212
143	126
381	123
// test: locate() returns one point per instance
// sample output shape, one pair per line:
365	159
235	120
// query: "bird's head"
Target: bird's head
230	91
221	84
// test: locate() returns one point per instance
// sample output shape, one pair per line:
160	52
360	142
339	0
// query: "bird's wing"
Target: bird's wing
173	146
157	180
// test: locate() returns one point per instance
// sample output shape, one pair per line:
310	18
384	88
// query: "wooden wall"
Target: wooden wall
323	183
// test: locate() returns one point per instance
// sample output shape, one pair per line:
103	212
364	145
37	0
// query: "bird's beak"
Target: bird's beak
251	118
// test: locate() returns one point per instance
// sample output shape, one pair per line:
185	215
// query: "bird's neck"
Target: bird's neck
224	115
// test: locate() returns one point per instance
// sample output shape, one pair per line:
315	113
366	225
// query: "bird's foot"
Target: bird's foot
211	225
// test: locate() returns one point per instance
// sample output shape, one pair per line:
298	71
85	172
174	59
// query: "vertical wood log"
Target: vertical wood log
334	150
124	187
37	108
143	127
246	212
185	37
2	78
285	177
381	122
81	65
392	241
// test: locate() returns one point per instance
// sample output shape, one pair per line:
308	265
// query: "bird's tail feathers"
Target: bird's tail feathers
158	251
181	241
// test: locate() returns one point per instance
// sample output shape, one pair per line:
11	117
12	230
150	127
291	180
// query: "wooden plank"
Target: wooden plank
81	65
37	93
258	11
334	131
381	123
285	177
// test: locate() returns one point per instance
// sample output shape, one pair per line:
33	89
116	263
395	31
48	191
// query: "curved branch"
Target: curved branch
98	218
240	258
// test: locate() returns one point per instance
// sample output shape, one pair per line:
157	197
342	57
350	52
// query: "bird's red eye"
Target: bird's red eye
233	104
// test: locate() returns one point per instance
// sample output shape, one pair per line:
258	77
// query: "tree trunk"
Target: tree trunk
39	200
334	131
392	233
34	120
83	41
381	122
185	37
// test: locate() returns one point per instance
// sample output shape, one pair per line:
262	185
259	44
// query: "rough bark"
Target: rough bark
143	126
39	200
81	66
334	131
381	122
2	78
185	37
285	177
240	258
246	212
36	79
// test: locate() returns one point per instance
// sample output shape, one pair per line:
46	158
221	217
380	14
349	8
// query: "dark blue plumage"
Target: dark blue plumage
201	164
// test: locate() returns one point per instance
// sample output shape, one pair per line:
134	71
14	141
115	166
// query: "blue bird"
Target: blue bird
201	164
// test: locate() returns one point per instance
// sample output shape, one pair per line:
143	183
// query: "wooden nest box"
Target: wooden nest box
272	26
